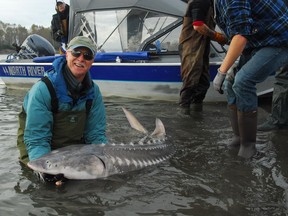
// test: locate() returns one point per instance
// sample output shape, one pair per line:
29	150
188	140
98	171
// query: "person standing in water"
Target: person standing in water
194	49
258	34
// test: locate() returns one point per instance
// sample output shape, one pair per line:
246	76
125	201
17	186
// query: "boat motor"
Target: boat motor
35	46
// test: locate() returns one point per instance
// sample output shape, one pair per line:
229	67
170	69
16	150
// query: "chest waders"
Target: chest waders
68	126
194	50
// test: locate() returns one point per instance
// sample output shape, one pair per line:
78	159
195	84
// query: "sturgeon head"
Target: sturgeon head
101	160
74	162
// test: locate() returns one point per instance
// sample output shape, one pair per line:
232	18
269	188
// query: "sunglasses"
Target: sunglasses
86	55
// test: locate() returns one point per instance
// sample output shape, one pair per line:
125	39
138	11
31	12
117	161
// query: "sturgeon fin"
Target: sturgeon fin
159	131
134	123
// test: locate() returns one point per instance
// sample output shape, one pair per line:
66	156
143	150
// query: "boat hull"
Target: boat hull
149	81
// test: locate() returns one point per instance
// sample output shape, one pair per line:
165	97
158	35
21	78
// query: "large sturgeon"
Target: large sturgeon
101	160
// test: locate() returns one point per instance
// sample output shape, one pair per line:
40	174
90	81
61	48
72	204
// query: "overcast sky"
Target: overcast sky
28	12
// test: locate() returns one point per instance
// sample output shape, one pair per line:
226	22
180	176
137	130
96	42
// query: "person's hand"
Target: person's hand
218	81
59	33
220	38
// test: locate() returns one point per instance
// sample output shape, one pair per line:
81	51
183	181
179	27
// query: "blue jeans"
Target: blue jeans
257	66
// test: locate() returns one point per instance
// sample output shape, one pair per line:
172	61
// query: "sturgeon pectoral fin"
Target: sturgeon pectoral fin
159	129
134	123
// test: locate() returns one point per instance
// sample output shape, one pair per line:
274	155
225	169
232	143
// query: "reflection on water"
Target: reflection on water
203	177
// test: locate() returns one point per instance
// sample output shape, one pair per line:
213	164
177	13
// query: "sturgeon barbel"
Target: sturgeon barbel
102	160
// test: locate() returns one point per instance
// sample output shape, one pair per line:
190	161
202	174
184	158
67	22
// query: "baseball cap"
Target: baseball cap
58	2
82	41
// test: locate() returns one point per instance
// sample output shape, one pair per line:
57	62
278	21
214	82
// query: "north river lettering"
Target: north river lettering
31	71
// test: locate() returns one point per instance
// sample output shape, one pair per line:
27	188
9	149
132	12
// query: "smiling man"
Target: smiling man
65	107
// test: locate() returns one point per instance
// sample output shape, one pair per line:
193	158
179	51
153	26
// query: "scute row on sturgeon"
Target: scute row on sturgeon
102	160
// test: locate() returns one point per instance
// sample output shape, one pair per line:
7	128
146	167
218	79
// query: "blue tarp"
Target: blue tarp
103	57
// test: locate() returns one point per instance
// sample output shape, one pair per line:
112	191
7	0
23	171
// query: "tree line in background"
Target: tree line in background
12	33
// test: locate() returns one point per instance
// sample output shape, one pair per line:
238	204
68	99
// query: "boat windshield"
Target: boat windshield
130	30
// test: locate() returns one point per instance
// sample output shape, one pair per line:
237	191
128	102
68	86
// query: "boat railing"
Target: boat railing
16	56
107	57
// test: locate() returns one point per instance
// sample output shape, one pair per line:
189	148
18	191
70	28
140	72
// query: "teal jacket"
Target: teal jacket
39	120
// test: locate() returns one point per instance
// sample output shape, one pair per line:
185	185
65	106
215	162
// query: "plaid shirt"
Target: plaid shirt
262	22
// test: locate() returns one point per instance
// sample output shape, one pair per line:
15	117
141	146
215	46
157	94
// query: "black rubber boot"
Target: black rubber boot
269	125
235	142
247	123
197	107
279	116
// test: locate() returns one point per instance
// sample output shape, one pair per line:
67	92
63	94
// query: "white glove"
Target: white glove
218	81
232	72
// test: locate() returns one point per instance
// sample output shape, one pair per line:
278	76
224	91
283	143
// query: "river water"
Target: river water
202	178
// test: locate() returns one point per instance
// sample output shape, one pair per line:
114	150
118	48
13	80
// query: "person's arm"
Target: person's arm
95	130
235	49
203	29
39	121
199	10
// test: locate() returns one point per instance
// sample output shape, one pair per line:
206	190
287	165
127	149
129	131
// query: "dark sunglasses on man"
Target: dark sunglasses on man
86	55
